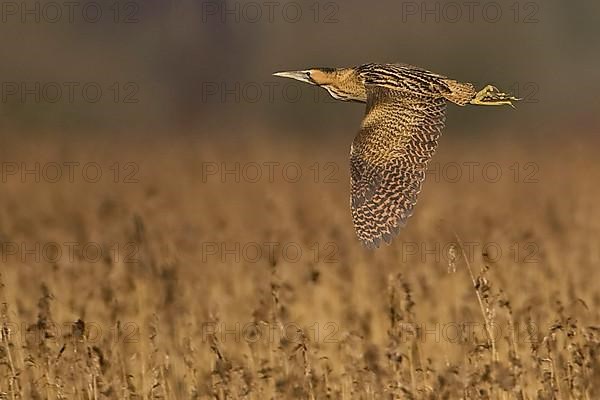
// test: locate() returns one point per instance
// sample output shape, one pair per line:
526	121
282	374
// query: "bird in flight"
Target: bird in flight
405	114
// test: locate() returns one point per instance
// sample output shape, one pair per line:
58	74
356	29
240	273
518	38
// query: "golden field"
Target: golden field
182	267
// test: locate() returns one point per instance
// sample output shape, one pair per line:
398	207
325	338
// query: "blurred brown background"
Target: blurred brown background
202	67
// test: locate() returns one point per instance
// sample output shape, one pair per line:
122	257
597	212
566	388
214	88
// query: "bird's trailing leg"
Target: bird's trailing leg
491	96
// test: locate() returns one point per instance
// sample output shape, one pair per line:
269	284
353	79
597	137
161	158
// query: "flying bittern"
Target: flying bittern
404	117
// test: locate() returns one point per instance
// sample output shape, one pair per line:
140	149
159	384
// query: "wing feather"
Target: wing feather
389	157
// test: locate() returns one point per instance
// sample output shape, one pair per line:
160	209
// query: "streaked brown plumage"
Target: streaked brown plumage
404	117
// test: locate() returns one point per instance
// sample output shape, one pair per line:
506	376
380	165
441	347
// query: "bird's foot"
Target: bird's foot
491	96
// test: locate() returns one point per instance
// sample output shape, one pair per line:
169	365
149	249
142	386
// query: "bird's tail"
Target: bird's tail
491	96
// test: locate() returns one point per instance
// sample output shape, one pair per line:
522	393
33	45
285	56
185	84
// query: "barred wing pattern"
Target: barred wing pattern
389	157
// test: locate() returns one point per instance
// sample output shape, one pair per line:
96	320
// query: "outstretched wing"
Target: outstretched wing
389	157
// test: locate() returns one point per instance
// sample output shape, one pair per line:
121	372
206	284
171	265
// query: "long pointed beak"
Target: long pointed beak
302	76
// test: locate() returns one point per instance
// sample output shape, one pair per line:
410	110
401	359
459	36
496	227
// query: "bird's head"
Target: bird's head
313	76
341	83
